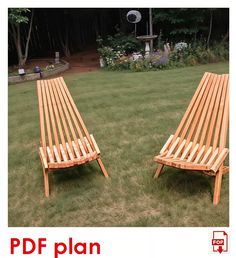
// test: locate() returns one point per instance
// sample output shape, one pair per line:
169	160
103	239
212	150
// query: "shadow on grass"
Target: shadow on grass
186	182
85	172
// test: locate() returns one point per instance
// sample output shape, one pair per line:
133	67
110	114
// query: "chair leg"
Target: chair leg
158	171
218	180
46	182
102	167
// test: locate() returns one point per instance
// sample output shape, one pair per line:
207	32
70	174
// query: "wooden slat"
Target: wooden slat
41	117
91	152
220	160
179	150
76	111
50	155
224	126
173	146
206	156
202	124
201	87
56	106
66	111
213	157
199	155
186	151
51	115
58	159
62	116
76	150
193	153
63	153
82	148
166	145
199	112
43	157
95	144
69	151
88	145
47	117
220	115
164	153
71	112
214	116
193	106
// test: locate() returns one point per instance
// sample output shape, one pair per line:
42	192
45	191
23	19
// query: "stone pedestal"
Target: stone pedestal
57	58
147	49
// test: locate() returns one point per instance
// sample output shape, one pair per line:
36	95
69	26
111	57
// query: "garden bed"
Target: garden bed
48	68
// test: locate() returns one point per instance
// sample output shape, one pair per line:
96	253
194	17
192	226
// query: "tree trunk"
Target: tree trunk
27	41
151	28
16	34
18	46
226	36
66	45
210	29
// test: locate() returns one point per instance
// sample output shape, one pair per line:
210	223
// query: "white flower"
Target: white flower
181	46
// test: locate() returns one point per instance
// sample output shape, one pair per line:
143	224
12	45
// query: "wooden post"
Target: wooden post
218	180
46	182
150	29
57	57
102	167
158	171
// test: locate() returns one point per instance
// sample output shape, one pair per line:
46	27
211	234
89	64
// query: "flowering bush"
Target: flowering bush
119	57
181	46
122	63
50	67
110	55
158	59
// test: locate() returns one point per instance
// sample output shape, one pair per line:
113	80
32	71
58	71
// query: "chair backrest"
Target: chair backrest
205	121
60	120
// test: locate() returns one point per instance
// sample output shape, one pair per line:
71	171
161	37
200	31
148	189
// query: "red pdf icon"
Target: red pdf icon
220	241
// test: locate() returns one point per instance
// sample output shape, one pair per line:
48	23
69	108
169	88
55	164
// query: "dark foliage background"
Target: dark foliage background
71	30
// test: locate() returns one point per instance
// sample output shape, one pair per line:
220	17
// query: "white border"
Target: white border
119	242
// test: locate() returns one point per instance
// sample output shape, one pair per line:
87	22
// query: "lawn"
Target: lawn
131	116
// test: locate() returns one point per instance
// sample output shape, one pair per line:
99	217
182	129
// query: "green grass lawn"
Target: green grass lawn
131	116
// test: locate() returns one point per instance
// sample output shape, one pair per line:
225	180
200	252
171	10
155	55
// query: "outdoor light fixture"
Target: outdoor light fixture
37	69
21	71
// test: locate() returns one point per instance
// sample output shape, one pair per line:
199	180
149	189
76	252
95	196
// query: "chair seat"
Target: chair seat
181	154
178	163
69	155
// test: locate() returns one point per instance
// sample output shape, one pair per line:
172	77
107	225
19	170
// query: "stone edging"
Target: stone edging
36	76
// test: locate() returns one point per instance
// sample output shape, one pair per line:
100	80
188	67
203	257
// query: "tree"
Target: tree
180	22
210	27
64	32
16	18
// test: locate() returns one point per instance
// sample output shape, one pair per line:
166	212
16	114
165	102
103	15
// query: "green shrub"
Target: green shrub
117	56
139	66
121	42
221	51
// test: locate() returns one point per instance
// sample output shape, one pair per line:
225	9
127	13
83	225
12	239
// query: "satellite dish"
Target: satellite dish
134	16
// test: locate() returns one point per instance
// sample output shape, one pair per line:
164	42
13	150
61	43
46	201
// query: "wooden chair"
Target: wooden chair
65	141
199	142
